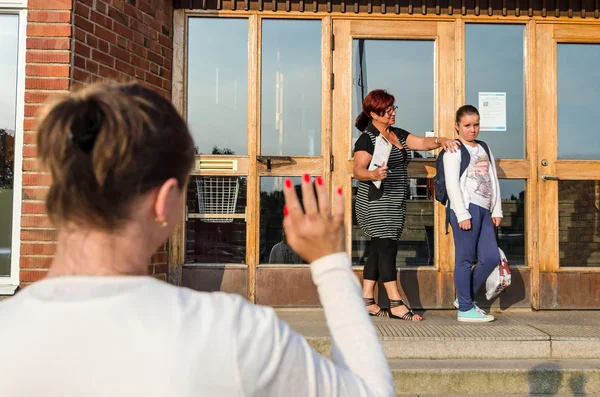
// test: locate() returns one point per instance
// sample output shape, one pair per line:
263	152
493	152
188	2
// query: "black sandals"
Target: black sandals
380	313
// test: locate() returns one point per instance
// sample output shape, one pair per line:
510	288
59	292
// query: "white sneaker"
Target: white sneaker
474	316
455	303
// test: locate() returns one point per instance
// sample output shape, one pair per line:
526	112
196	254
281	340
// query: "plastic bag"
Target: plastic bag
499	279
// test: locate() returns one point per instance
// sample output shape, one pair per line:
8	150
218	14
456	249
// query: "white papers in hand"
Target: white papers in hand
381	154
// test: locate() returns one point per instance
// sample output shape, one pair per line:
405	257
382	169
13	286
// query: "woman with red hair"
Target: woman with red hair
381	212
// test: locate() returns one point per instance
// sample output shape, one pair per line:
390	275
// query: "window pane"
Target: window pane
416	247
212	236
495	63
579	223
9	31
404	68
291	88
511	233
217	85
578	99
273	247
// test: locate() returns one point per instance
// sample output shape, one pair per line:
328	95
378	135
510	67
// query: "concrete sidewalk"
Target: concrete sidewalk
514	335
520	354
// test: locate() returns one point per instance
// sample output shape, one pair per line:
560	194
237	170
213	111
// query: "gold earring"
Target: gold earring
163	224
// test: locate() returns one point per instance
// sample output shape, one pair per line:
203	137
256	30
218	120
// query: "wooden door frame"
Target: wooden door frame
552	275
445	97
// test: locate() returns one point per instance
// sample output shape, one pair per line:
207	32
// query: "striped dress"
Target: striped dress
384	217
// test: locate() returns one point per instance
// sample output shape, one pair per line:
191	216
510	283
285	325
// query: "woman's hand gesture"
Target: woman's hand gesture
313	232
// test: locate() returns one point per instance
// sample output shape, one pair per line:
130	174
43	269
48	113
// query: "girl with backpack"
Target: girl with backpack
475	208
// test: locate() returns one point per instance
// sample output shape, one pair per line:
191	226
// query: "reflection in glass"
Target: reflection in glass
273	245
494	62
211	235
416	246
217	85
9	31
578	99
291	88
579	223
404	68
511	233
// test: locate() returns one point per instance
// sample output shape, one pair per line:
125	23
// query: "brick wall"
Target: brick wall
70	43
124	39
47	72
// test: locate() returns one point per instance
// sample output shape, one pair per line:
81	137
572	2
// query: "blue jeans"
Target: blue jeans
481	239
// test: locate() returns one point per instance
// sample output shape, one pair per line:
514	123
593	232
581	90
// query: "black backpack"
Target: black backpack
439	180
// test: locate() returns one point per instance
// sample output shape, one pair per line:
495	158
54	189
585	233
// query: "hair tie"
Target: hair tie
86	126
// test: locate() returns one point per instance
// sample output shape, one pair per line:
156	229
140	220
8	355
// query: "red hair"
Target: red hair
377	101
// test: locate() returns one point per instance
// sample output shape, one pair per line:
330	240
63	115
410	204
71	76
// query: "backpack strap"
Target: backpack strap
465	159
486	148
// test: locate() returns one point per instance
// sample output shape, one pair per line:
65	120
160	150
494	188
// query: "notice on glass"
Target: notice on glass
492	109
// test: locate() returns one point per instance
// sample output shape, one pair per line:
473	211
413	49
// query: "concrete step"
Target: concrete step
496	377
541	336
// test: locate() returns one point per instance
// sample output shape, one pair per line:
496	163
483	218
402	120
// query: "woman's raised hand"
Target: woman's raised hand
314	232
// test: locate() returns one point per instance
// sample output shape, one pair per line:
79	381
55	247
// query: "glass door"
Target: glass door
405	58
569	165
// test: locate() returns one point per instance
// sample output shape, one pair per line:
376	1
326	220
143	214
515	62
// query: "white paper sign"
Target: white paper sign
381	155
492	109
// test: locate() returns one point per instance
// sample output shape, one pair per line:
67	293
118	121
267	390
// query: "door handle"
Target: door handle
550	178
269	160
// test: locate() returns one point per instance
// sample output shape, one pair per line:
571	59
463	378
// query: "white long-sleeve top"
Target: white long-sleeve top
456	186
137	336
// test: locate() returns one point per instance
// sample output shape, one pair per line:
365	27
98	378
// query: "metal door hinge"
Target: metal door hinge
332	81
332	42
331	163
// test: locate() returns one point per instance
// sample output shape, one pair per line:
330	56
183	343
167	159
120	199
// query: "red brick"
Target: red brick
47	70
31	276
33	207
138	37
48	30
103	46
160	268
50	4
152	22
154	57
40	43
167	53
36	179
33	221
37	96
84	24
81	75
132	11
138	49
159	257
140	73
154	68
35	193
48	57
35	262
161	277
140	62
139	27
82	9
105	34
145	7
31	165
79	62
82	49
38	235
153	46
91	66
118	4
88	2
122	42
101	20
103	58
46	84
29	125
102	6
79	34
31	111
49	16
153	79
124	67
108	72
123	31
118	16
166	41
119	53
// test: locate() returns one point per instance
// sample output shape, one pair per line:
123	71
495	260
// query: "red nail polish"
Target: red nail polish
285	211
288	183
306	178
339	190
319	181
